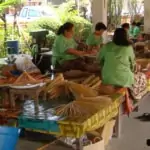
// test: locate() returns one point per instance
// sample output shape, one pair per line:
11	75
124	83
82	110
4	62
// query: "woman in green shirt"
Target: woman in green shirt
131	30
137	30
126	27
95	40
117	60
65	53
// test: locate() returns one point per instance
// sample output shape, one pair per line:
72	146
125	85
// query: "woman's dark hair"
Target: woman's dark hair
65	27
100	26
138	24
126	26
120	37
133	23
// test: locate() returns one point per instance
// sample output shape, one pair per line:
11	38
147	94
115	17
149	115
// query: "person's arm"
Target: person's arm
136	32
101	55
89	42
75	52
80	53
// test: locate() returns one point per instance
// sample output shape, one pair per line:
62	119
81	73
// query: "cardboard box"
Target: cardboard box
106	132
96	146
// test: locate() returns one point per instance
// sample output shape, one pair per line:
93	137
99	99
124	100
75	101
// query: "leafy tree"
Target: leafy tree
4	5
114	12
135	7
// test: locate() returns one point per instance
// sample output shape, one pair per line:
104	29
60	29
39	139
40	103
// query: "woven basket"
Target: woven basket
76	130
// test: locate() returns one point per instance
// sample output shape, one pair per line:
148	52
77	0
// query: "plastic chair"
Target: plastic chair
8	138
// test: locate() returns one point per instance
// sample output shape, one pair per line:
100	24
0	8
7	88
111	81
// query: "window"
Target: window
24	12
44	13
34	13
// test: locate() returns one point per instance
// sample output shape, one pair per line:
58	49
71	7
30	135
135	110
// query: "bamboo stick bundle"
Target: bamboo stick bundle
95	103
58	90
78	80
96	85
79	109
92	81
80	89
86	81
75	110
97	99
54	82
89	106
70	110
67	87
25	79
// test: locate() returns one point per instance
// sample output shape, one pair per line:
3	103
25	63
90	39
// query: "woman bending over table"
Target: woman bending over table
117	60
65	53
95	40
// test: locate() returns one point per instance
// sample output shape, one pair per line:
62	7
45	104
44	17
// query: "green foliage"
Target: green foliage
82	27
66	12
50	38
45	23
4	5
52	25
114	12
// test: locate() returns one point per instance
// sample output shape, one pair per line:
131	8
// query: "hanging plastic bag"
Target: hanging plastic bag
24	63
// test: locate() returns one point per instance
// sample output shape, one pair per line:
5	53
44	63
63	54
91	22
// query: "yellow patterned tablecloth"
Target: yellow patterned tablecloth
75	129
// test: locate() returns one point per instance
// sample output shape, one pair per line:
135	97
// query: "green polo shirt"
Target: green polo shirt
60	46
94	40
136	32
131	31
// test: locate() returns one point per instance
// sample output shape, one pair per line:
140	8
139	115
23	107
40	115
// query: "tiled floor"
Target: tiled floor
133	134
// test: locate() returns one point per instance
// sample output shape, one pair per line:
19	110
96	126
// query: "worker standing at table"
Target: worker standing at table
95	40
126	27
131	30
137	30
65	52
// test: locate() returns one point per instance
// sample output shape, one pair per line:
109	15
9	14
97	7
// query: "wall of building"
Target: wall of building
147	16
99	11
56	2
33	2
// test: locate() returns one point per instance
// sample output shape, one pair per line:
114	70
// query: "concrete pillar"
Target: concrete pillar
99	14
99	11
146	16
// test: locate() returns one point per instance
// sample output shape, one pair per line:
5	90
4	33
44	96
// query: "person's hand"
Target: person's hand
92	52
82	53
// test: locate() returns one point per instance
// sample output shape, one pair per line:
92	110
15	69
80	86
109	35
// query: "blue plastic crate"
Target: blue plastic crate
8	138
38	124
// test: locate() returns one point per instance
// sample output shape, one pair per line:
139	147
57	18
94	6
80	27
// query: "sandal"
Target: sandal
144	117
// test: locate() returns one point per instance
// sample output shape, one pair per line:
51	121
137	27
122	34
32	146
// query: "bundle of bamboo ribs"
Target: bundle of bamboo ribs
92	81
66	87
41	77
58	79
25	79
82	107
